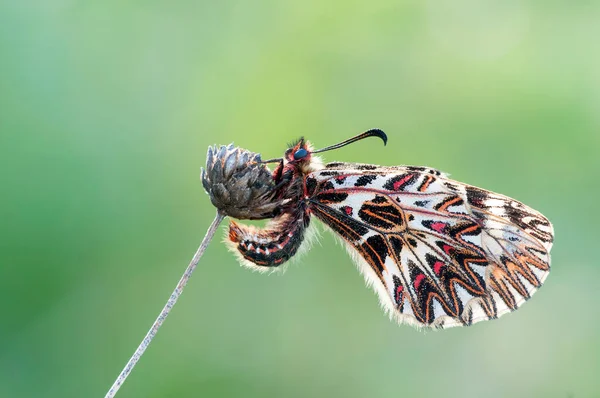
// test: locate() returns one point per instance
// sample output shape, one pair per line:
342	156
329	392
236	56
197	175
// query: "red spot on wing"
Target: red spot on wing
418	280
399	293
438	226
437	267
447	249
398	184
347	210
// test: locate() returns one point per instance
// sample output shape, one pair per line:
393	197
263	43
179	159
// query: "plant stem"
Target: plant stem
167	308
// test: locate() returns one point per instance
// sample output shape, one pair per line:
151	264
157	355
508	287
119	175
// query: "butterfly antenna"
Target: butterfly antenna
366	134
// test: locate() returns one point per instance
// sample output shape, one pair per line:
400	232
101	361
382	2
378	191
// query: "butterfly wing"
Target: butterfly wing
438	252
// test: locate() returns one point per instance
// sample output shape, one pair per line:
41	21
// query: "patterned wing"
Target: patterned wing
438	252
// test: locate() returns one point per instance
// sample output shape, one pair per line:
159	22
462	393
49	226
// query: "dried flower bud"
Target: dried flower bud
238	184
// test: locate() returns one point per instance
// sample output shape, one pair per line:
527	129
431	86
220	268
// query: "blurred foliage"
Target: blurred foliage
106	111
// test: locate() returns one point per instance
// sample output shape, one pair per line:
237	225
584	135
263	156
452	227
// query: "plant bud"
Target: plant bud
238	184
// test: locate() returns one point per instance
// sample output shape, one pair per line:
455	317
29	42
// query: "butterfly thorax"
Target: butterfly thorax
295	165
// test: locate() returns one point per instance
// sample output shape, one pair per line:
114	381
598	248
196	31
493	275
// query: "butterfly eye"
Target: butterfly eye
300	153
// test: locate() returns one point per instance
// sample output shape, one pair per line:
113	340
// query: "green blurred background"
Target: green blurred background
106	111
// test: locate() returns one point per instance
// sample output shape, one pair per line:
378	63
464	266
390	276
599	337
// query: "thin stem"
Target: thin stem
167	308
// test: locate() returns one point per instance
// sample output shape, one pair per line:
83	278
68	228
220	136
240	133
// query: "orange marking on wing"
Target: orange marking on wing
473	247
533	260
524	269
488	307
447	308
472	273
468	287
497	282
377	215
449	203
429	179
513	269
399	227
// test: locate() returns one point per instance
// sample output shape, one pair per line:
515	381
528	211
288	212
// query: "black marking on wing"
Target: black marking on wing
331	197
377	250
365	180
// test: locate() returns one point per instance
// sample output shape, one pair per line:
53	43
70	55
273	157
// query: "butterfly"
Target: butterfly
439	253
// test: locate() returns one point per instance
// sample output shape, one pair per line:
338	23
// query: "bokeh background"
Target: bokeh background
106	111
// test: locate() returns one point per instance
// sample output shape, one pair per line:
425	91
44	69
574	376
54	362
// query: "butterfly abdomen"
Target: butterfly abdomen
271	246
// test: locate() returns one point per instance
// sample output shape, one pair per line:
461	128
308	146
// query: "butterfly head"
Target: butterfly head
299	156
299	151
